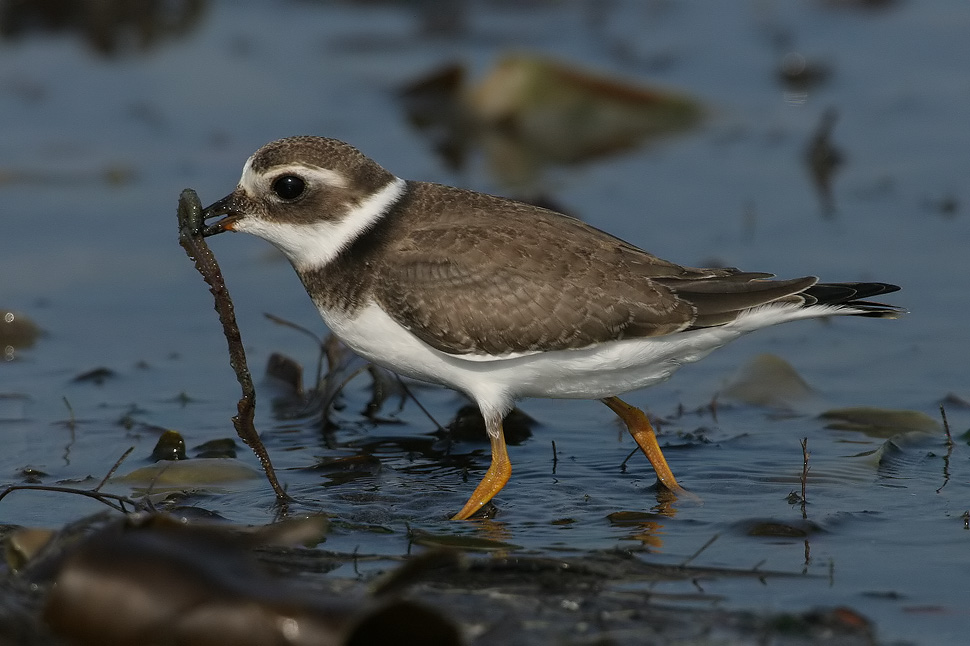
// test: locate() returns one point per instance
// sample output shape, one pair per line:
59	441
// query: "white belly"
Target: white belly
608	369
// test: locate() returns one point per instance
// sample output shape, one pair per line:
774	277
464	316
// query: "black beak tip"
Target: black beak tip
223	209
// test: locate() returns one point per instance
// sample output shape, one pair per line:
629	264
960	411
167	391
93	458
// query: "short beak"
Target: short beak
228	209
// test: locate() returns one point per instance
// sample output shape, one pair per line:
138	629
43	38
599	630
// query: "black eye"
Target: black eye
289	187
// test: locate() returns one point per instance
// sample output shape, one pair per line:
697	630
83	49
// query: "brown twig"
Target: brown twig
946	427
114	468
949	449
190	238
703	547
72	427
805	455
71	419
627	459
410	394
104	498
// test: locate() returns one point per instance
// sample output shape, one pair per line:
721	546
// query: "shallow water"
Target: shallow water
95	150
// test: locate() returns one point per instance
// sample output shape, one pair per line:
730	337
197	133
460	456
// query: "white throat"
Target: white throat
316	244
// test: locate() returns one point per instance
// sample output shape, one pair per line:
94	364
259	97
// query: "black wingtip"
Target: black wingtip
854	294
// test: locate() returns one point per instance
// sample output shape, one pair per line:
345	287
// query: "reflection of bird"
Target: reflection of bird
824	159
496	298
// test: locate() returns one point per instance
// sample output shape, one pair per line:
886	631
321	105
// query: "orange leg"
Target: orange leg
643	434
495	478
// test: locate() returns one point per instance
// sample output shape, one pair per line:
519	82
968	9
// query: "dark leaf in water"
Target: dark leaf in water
469	425
645	527
158	581
799	73
286	371
779	529
16	333
340	471
879	422
769	381
198	472
417	568
530	111
632	518
23	544
432	105
296	531
170	446
364	462
97	376
32	475
952	399
461	542
568	114
110	28
220	448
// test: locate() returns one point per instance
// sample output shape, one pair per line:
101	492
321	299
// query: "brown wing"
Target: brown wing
517	278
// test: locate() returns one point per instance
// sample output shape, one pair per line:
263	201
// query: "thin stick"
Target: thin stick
949	449
407	391
190	238
114	468
946	426
555	458
71	419
627	459
100	496
805	455
703	547
71	426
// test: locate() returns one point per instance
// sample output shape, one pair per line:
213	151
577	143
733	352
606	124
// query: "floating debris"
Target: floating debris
568	114
771	528
198	472
111	29
170	446
17	332
530	111
219	448
769	381
880	422
97	376
287	372
153	579
461	542
469	425
21	545
800	73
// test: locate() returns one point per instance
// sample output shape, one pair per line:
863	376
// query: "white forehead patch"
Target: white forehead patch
256	183
314	244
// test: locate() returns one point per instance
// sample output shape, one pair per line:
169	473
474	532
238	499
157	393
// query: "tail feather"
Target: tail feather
720	300
853	295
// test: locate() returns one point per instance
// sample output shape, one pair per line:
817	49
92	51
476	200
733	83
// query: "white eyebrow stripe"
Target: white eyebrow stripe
250	180
324	175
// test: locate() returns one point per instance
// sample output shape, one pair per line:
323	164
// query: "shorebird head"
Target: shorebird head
309	196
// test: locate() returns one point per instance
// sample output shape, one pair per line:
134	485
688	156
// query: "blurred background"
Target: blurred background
823	137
